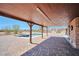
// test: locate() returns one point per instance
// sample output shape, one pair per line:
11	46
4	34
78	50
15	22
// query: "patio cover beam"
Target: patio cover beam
17	18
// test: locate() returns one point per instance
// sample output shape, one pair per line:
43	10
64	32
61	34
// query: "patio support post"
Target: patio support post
69	29
47	30
30	25
42	31
66	32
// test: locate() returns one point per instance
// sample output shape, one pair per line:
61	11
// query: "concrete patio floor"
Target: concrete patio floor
53	46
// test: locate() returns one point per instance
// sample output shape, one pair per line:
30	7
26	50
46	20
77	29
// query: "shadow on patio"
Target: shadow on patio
53	46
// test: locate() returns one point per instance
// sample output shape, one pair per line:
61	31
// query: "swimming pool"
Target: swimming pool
27	35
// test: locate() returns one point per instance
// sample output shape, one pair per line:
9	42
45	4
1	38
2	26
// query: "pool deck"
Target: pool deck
15	46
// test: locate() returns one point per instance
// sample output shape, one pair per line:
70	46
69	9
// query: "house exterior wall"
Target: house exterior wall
74	32
77	32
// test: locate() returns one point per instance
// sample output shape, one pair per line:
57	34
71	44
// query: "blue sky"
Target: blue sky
9	22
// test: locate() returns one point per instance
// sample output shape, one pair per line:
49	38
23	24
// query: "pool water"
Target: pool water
27	35
23	35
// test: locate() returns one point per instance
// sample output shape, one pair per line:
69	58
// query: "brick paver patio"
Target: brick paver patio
53	46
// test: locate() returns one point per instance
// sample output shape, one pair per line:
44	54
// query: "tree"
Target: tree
16	29
7	30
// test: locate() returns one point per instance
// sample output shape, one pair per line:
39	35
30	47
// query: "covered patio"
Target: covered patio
47	15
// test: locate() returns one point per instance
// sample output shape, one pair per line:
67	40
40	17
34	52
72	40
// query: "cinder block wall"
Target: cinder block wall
74	32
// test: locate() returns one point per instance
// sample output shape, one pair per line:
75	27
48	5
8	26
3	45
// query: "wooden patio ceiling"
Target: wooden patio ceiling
52	14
